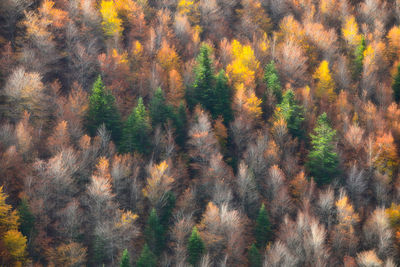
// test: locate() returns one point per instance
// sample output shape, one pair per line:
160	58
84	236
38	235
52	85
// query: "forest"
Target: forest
203	133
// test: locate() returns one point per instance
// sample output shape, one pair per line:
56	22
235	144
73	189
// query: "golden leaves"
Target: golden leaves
112	25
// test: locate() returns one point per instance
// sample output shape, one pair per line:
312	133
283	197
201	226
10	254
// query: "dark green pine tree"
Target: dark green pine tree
293	114
180	121
102	109
166	211
323	161
154	233
98	250
358	59
195	247
147	258
223	95
136	132
125	259
159	111
271	79
254	257
26	218
396	85
202	90
262	231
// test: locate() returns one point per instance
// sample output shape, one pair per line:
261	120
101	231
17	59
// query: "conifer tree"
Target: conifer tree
102	109
254	257
147	258
292	113
262	231
26	218
159	111
154	233
396	85
358	58
323	161
137	130
180	121
223	97
271	79
125	259
195	247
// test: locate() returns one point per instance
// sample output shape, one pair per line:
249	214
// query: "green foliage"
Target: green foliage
292	113
254	257
147	258
323	161
98	250
271	79
262	231
159	111
26	218
180	122
166	211
358	58
136	132
396	85
125	259
102	109
195	247
210	90
154	233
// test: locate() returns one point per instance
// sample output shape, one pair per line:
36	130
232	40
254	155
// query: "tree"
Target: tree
325	88
396	85
125	259
137	130
254	256
358	58
147	258
102	109
223	99
292	112
262	231
154	233
195	247
112	25
271	79
323	161
26	218
159	111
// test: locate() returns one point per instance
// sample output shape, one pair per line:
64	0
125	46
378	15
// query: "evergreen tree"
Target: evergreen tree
262	230
223	97
98	250
166	211
154	233
202	90
358	58
254	257
323	161
136	133
102	109
195	247
271	79
160	112
125	259
147	258
180	121
396	85
292	113
26	218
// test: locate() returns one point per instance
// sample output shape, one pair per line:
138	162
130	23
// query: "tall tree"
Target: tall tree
137	130
102	109
223	99
26	218
254	257
159	111
125	259
396	85
323	161
359	58
271	79
154	233
262	231
195	247
147	258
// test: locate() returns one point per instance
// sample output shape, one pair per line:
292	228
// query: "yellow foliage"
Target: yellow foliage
325	85
350	32
394	40
190	9
253	106
394	215
167	57
15	243
386	159
158	183
137	49
244	65
112	25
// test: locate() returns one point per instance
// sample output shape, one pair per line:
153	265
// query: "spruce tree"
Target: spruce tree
262	231
254	257
102	109
223	97
136	132
396	85
98	250
292	113
26	218
195	247
358	59
125	259
323	161
154	233
147	258
159	111
271	79
180	121
166	211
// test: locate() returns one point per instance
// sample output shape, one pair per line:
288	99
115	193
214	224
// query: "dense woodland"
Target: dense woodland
200	133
